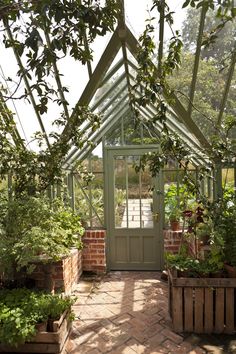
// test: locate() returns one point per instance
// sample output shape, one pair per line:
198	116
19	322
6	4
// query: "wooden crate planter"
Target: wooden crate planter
202	305
45	342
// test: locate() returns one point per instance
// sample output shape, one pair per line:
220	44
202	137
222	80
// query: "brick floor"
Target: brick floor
127	313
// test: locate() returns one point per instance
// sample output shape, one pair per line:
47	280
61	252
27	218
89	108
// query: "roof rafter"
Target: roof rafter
111	72
99	135
104	118
97	76
176	105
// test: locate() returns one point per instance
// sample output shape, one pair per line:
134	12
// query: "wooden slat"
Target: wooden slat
56	324
230	310
198	310
188	309
177	309
170	299
44	342
64	335
46	337
205	282
31	348
219	312
208	310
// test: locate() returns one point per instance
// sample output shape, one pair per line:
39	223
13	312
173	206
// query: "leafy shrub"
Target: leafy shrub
32	226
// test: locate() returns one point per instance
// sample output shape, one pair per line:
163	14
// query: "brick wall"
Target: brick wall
172	240
62	275
94	255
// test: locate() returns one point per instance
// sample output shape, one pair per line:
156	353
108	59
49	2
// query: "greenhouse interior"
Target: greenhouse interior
118	176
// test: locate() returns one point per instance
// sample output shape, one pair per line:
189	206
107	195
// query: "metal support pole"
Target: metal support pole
71	190
218	181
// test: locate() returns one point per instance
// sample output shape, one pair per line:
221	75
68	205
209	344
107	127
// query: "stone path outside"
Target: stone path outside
127	313
135	208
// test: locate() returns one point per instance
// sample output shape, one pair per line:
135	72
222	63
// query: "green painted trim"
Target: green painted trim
71	189
100	100
174	102
99	73
112	72
109	153
88	125
98	136
88	200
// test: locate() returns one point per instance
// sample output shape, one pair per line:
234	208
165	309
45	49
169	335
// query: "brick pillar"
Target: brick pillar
172	240
62	275
94	255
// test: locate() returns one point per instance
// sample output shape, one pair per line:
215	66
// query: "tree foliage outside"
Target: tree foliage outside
218	50
51	30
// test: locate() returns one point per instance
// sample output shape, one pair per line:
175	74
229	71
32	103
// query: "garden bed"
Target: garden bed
202	305
45	342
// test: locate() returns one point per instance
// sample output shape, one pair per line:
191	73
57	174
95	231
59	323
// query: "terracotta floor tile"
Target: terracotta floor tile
127	313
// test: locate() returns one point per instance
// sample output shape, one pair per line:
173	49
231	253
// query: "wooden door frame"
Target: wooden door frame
129	148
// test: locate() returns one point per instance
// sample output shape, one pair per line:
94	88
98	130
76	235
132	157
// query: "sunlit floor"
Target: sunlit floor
127	313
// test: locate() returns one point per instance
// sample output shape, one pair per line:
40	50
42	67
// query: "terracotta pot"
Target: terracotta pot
175	225
231	271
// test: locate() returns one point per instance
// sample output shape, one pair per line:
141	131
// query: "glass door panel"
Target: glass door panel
132	194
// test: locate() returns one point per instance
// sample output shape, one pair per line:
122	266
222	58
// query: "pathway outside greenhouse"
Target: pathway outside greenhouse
127	313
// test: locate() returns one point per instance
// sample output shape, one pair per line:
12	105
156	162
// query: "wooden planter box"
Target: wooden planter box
202	305
45	342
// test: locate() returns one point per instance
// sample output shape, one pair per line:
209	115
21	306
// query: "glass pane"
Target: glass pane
81	203
133	195
147	200
149	136
113	137
134	200
132	133
96	195
120	192
228	181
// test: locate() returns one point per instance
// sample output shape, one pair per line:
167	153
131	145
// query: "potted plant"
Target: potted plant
174	218
21	312
34	228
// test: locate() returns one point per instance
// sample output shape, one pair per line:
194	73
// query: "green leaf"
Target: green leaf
186	3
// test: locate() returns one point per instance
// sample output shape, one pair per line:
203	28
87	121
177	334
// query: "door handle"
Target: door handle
155	217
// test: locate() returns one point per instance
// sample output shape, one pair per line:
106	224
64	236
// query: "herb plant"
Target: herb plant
32	227
22	309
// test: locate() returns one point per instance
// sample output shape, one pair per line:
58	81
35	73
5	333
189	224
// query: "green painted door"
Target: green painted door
134	213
